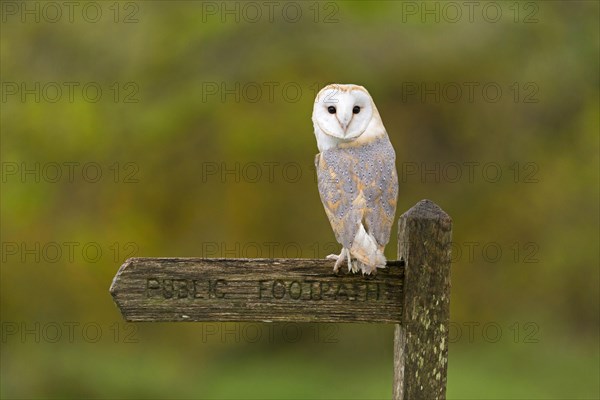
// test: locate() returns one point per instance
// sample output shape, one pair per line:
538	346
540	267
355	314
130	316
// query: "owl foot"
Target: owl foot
367	270
339	259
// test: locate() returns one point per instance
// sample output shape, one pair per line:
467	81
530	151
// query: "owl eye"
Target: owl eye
331	109
356	109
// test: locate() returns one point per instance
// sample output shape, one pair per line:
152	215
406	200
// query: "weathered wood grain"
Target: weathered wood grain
250	290
421	341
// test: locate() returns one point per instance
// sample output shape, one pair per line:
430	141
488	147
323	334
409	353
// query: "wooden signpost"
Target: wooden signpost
412	293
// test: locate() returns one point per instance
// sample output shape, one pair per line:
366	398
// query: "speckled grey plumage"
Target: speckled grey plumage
346	173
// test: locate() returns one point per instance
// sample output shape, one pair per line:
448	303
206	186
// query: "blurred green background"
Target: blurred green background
183	129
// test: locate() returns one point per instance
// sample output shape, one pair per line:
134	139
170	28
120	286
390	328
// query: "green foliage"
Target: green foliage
158	196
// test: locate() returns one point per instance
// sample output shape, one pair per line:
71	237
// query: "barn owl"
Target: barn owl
356	172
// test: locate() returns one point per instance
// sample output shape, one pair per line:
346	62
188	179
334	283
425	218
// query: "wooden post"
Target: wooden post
413	293
421	339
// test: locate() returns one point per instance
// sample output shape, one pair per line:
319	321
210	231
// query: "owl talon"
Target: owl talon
337	264
353	266
339	259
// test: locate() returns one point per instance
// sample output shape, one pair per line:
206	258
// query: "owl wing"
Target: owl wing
381	193
338	188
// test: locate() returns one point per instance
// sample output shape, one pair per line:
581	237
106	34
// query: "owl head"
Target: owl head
345	114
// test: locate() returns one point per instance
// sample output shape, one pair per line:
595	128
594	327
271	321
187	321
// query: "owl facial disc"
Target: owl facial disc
343	111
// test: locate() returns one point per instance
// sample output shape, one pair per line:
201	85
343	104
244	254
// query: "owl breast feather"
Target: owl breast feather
359	184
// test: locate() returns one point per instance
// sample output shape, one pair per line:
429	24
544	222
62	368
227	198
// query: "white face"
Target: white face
342	112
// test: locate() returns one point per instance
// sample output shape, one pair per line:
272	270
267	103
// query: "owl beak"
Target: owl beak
344	122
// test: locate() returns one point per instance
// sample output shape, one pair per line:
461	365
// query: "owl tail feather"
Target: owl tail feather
366	250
